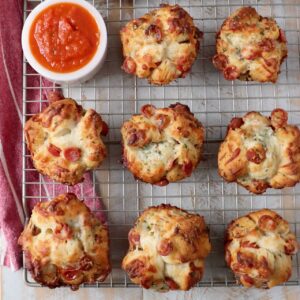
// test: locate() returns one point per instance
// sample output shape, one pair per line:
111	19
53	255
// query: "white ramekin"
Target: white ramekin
86	72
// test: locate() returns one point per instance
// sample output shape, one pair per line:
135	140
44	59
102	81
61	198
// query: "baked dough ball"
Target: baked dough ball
64	141
161	46
167	248
259	249
250	47
65	244
162	145
260	152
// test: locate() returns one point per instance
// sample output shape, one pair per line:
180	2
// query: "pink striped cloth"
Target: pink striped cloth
12	216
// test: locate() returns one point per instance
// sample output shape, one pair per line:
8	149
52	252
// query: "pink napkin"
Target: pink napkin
12	216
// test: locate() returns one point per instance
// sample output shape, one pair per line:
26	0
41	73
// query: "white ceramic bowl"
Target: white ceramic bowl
87	71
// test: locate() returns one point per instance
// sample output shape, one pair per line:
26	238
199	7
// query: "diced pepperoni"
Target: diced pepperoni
248	244
174	24
231	73
271	63
86	263
129	65
266	222
236	123
171	283
70	274
267	45
134	237
63	231
135	268
282	37
162	121
72	154
162	182
245	259
164	247
148	110
155	31
247	279
279	118
291	247
55	151
220	61
260	186
104	130
234	24
188	168
256	155
228	257
132	139
234	155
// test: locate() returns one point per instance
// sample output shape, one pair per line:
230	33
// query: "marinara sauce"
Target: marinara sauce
64	37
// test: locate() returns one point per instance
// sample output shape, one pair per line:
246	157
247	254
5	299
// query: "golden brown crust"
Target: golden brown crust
250	47
260	152
259	249
65	244
161	45
162	145
167	248
64	141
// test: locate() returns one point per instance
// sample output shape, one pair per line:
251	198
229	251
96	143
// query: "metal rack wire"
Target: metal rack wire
116	96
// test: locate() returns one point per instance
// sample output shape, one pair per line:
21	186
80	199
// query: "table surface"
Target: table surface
12	287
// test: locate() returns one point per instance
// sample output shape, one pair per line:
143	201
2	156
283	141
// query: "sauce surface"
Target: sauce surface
64	37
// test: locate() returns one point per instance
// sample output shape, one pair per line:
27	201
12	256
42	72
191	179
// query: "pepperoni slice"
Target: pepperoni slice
247	279
129	65
279	118
290	247
135	268
86	263
236	123
245	259
267	45
104	130
163	182
188	168
155	31
248	244
282	37
134	237
220	61
165	247
55	151
72	154
256	155
70	274
148	110
231	73
266	222
171	283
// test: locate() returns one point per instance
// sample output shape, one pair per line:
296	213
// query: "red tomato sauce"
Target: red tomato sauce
64	37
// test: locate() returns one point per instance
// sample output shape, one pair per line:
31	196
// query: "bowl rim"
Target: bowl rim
96	60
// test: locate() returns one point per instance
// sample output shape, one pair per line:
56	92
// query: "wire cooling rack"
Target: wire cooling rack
116	96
